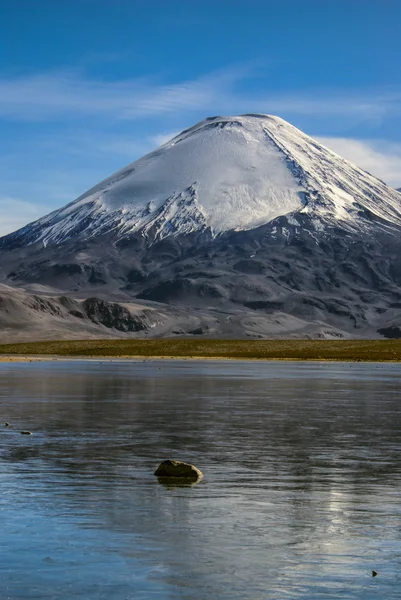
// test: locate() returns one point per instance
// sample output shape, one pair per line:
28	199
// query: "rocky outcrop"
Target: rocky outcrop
391	332
29	317
113	315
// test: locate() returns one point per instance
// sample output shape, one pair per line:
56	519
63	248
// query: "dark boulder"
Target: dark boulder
176	468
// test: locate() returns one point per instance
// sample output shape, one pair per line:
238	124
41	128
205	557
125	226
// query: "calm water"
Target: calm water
301	496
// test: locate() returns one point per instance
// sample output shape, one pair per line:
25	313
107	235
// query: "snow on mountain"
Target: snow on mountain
225	173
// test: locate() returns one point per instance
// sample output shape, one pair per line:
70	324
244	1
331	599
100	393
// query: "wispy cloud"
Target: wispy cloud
378	157
15	213
47	95
162	138
71	93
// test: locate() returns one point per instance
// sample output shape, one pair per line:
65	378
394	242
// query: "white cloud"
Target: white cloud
163	138
93	145
71	93
367	105
49	95
16	213
378	157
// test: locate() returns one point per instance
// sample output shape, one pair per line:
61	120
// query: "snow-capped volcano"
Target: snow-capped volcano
223	174
239	226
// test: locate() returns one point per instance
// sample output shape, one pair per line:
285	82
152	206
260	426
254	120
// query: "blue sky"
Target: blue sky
87	86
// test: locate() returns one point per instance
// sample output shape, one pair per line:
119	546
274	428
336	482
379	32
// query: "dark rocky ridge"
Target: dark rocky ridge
351	284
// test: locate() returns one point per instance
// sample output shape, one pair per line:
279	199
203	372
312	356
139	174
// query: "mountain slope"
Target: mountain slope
223	174
26	317
238	226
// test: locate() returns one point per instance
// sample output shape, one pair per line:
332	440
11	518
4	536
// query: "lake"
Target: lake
301	495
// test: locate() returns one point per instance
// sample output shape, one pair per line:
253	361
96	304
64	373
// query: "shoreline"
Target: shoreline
205	349
142	358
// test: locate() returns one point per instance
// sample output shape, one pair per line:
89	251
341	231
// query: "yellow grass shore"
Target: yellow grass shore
190	348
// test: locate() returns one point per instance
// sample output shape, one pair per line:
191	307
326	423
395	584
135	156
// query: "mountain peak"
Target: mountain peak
246	121
226	173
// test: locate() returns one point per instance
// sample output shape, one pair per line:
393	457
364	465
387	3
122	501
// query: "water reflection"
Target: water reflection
299	499
171	483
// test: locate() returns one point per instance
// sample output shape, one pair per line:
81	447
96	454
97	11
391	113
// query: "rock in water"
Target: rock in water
176	468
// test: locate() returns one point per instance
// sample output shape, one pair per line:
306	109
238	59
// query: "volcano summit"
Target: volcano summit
245	215
223	174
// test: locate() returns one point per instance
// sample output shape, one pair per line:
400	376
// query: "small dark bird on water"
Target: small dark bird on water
374	573
26	432
6	424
